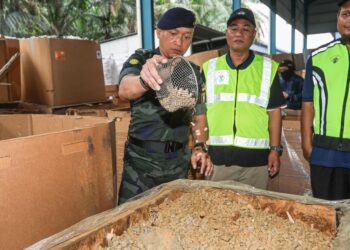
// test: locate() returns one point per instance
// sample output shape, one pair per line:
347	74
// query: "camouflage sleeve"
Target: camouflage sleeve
134	63
200	106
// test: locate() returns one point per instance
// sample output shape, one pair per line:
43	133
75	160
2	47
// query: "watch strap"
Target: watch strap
202	145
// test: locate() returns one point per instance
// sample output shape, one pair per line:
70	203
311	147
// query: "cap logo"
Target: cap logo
241	12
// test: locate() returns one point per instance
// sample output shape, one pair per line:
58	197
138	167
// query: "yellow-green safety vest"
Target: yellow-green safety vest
237	102
330	74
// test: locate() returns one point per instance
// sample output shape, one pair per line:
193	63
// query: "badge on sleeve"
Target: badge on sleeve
134	61
335	58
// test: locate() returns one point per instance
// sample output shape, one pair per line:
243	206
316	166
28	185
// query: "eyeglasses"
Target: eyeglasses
345	14
245	30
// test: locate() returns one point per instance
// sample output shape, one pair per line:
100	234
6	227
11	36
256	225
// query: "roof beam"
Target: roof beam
147	24
273	27
236	4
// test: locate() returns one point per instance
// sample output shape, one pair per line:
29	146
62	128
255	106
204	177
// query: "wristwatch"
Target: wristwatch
279	149
202	145
143	84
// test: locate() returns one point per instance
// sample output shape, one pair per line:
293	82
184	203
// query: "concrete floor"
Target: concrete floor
294	176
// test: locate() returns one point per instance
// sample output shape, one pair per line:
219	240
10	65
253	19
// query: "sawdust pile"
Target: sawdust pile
211	220
177	98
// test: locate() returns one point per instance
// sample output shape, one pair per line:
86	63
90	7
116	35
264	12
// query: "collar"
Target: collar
244	65
156	51
343	40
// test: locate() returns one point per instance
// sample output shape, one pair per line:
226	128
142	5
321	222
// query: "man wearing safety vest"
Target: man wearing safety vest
326	114
244	98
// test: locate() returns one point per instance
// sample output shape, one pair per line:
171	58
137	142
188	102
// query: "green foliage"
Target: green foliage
93	19
211	13
101	19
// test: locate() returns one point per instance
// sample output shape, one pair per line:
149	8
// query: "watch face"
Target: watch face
203	146
279	149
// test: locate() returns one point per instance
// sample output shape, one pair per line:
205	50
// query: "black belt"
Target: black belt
155	146
335	143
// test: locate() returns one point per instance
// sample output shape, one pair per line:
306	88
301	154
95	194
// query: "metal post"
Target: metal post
273	27
236	4
294	10
147	23
306	20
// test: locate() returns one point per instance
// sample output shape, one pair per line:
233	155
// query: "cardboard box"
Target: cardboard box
60	72
54	171
122	120
202	57
297	59
122	116
30	108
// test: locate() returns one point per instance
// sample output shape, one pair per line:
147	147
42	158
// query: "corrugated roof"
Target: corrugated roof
322	14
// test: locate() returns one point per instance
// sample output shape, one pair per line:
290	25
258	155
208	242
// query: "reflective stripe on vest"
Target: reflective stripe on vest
325	48
224	97
239	141
211	81
221	140
261	100
318	81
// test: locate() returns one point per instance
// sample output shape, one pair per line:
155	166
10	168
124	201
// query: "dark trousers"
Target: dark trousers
330	183
144	170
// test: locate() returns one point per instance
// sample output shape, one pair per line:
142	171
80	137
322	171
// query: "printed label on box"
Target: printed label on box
60	55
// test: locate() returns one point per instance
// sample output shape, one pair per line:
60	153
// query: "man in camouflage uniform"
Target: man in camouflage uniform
156	151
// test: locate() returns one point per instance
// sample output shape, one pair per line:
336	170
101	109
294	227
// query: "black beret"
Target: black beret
176	18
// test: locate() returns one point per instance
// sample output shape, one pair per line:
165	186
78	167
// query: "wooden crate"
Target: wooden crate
110	90
5	90
96	109
92	232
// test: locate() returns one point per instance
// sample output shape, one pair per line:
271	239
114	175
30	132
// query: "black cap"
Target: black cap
242	13
340	3
287	63
176	18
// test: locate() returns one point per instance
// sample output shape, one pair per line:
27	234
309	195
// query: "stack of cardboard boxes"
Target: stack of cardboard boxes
59	72
54	170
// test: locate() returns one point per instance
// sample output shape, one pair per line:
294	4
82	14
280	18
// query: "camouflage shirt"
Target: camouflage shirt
149	120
